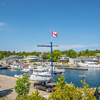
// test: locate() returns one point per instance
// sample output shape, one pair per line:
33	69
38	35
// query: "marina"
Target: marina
70	75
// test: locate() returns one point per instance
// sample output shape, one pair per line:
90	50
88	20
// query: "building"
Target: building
32	59
64	58
10	59
83	59
97	54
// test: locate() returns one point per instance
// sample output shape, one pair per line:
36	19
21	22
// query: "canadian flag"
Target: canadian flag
54	33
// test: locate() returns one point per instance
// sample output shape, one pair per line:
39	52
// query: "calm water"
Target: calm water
92	76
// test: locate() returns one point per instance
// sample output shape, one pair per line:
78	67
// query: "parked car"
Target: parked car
45	85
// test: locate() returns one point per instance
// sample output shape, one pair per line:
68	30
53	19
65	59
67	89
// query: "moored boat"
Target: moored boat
3	67
40	74
88	64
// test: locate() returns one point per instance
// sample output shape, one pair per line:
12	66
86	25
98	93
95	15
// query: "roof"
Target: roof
90	58
6	58
14	56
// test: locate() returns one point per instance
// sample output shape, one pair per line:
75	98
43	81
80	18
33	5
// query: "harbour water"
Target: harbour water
92	76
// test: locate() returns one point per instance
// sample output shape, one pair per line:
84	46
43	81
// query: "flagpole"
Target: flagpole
51	58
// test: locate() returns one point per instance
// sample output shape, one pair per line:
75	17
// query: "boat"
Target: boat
3	67
32	67
56	70
40	78
16	66
40	74
22	73
29	68
88	64
25	70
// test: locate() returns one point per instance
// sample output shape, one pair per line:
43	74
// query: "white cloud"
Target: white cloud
93	45
2	24
65	47
32	48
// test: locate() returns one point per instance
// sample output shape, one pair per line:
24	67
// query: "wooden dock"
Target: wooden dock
75	68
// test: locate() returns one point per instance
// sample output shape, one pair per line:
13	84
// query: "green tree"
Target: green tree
32	96
8	53
13	53
65	92
22	86
88	92
56	55
71	53
80	54
35	96
45	55
1	56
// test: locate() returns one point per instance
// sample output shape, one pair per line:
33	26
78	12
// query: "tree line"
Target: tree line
56	54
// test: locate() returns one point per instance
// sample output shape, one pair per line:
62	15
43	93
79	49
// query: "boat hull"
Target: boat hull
40	77
87	65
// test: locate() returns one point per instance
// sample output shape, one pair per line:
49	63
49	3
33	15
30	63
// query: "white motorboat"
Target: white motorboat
32	66
39	77
55	69
88	64
25	70
40	74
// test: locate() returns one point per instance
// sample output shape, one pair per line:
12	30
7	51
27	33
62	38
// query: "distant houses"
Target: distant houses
29	59
64	58
10	59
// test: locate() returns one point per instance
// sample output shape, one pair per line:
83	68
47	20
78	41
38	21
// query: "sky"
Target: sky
24	24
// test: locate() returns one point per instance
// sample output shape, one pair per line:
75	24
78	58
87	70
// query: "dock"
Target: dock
74	68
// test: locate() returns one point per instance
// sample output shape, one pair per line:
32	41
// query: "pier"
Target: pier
74	68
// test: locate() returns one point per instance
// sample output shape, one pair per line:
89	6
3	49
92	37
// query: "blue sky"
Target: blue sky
24	24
